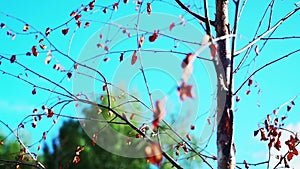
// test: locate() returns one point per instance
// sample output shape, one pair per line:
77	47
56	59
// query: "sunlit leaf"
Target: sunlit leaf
153	154
26	27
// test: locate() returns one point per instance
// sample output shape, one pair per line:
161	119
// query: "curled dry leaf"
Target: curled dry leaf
116	6
125	1
133	58
87	24
26	27
69	74
172	25
153	154
154	36
65	31
149	9
34	51
13	58
77	17
187	65
33	92
213	50
121	57
47	32
2	25
185	91
104	10
158	113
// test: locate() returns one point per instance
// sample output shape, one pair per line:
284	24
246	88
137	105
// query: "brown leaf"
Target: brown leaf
133	58
26	27
34	51
185	91
149	9
13	58
121	57
47	32
153	154
213	50
158	113
141	41
256	50
65	31
154	36
172	25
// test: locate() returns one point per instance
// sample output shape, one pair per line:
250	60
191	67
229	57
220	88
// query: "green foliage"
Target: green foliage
71	136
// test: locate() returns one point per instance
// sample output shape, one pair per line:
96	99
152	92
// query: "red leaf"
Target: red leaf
78	16
153	154
34	51
237	98
132	116
192	127
73	13
13	58
65	31
50	113
76	159
290	156
106	59
154	36
172	25
69	74
149	9
78	23
248	92
188	137
1	143
33	91
116	6
87	24
250	81
133	58
2	25
92	5
158	113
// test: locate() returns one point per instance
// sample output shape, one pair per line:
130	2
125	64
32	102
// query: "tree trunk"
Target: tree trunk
225	146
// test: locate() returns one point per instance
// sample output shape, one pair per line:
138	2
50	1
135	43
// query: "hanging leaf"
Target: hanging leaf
47	32
172	25
13	58
87	24
133	58
185	91
250	81
149	9
77	17
104	10
33	91
125	1
153	154
121	57
44	135
154	36
2	25
69	74
158	113
78	23
65	31
116	6
73	13
26	27
34	51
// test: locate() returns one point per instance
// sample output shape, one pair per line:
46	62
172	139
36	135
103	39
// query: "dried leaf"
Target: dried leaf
213	50
154	36
149	9
87	24
256	50
34	51
33	91
121	57
133	58
13	58
172	25
185	91
153	154
116	6
47	32
141	41
26	27
2	25
65	31
159	112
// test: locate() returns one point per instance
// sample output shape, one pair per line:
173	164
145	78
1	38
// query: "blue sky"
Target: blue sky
278	83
